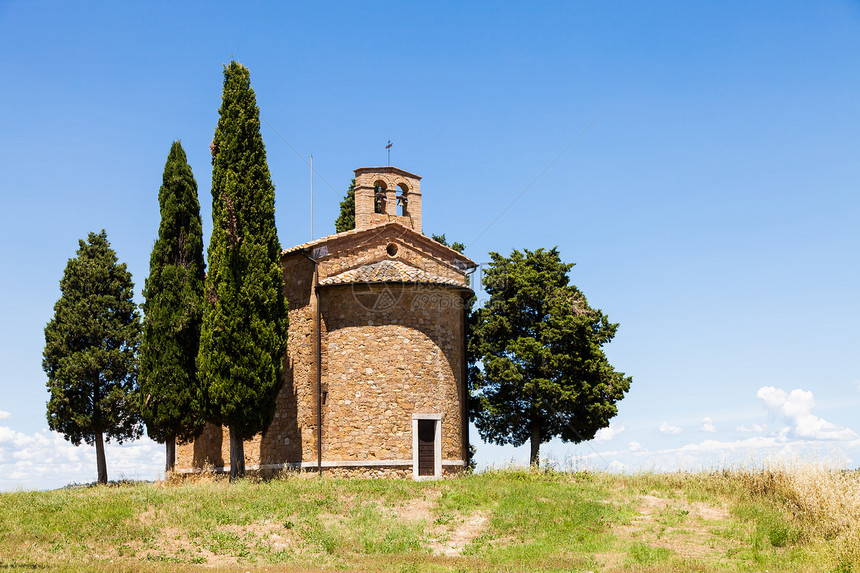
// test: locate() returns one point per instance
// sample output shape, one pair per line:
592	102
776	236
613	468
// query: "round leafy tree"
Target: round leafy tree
544	373
90	353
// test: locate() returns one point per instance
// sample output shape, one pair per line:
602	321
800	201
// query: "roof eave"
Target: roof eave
461	288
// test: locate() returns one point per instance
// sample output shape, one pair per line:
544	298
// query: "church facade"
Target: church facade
375	371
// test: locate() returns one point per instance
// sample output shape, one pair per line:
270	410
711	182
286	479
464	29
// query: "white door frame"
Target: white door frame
437	446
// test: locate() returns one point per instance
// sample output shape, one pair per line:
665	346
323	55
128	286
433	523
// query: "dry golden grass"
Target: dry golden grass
821	501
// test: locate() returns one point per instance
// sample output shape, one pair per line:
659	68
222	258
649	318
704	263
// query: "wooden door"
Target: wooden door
426	447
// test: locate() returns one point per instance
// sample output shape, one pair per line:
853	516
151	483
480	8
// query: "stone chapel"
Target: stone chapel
375	371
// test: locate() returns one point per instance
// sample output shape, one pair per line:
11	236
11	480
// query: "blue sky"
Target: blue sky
697	161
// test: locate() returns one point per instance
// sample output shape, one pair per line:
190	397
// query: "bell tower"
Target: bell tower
385	194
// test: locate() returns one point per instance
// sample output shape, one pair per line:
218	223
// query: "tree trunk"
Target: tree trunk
100	458
534	458
170	455
237	456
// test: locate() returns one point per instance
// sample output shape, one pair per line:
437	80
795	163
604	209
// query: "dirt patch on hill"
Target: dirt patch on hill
455	538
173	545
418	509
447	535
685	528
221	546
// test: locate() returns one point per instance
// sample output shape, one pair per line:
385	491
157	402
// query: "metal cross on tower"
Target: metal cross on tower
388	147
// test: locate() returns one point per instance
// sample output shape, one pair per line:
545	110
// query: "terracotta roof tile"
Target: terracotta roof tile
388	271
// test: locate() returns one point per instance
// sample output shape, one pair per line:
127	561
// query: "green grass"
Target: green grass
512	520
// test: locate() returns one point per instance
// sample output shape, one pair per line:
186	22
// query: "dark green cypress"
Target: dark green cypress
244	335
173	313
90	353
346	220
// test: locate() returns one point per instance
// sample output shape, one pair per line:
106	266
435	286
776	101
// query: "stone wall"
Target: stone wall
370	472
292	435
387	355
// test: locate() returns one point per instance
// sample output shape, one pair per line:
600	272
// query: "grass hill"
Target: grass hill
778	518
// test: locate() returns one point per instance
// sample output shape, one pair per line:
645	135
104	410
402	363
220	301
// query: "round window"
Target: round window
392	249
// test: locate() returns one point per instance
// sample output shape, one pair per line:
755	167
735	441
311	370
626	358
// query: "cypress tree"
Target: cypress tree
173	313
244	334
346	220
90	353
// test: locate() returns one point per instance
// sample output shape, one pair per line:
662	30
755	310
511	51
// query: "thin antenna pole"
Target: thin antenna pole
312	196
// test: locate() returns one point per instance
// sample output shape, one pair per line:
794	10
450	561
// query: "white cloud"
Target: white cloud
795	409
667	428
752	429
4	415
798	435
755	443
711	453
46	460
605	434
616	466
